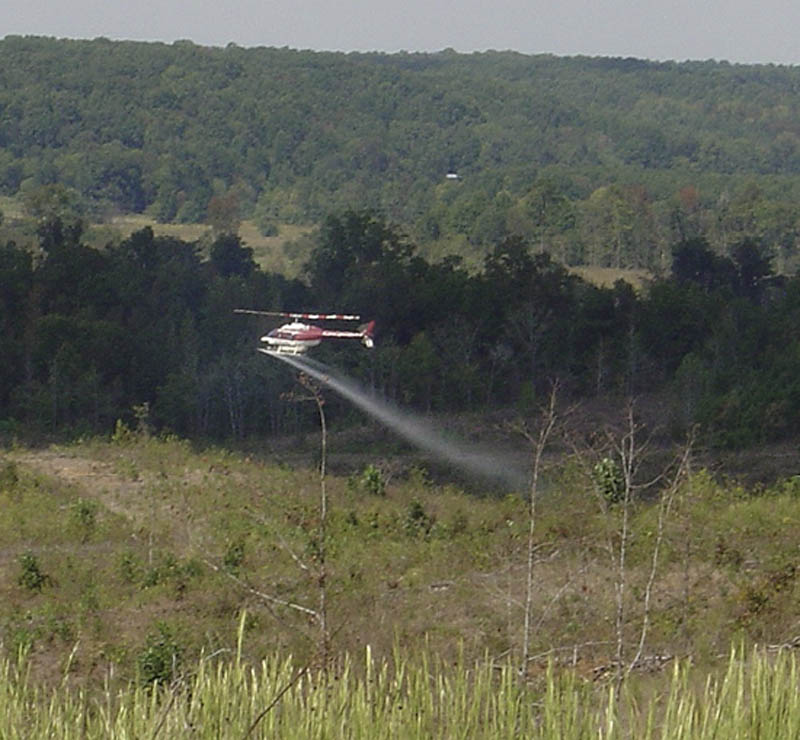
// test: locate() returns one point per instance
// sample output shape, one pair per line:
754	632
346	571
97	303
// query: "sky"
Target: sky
739	31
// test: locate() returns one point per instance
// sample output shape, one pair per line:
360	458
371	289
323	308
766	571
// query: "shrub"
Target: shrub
608	480
234	556
84	514
372	481
129	568
122	434
170	570
9	477
159	659
418	521
31	575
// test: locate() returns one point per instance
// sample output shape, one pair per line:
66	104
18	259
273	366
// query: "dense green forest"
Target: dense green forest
450	194
594	160
90	335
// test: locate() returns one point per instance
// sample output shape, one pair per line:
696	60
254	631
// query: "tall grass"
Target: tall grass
387	699
409	698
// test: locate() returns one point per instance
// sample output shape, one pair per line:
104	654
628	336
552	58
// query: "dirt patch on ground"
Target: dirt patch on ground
95	479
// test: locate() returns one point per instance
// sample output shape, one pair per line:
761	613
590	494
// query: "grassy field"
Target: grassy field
284	253
605	277
135	559
11	208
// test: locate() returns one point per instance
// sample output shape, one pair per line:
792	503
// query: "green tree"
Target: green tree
229	256
754	266
607	223
361	264
16	318
551	213
51	202
223	213
695	262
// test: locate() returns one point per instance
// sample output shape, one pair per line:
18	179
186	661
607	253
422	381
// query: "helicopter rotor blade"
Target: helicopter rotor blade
293	315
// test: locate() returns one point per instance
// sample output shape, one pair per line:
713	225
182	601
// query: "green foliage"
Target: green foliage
168	569
84	516
141	413
122	434
417	522
608	480
9	476
371	481
718	334
230	257
129	567
663	152
791	486
55	209
31	575
160	658
234	556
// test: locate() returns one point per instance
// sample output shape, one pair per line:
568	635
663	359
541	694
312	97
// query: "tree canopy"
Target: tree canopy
597	161
90	335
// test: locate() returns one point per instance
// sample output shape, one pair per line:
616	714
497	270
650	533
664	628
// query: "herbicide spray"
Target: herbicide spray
490	466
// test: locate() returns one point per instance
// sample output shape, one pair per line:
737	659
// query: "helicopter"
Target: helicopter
297	337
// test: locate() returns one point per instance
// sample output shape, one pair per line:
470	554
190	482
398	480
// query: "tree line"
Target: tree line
89	336
597	161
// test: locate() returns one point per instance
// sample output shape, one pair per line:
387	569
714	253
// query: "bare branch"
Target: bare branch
297	559
539	442
664	508
294	679
274	600
554	600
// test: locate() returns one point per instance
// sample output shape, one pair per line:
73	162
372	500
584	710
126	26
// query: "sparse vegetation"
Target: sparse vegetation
421	565
84	516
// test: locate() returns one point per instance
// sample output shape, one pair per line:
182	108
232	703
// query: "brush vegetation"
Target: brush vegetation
152	588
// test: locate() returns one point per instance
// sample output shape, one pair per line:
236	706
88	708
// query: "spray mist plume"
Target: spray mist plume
488	465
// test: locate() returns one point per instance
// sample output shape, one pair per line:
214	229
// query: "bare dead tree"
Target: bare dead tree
665	502
315	394
617	480
627	451
316	569
613	479
538	440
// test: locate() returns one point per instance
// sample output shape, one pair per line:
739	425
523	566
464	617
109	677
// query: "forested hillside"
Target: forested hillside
597	161
456	201
406	163
146	328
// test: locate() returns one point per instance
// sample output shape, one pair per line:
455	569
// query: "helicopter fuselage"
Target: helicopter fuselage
295	338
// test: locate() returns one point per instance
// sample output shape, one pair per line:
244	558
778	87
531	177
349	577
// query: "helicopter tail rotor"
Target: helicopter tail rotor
368	334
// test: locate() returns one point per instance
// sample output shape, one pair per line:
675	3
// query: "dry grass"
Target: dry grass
410	695
605	277
285	253
11	207
188	539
